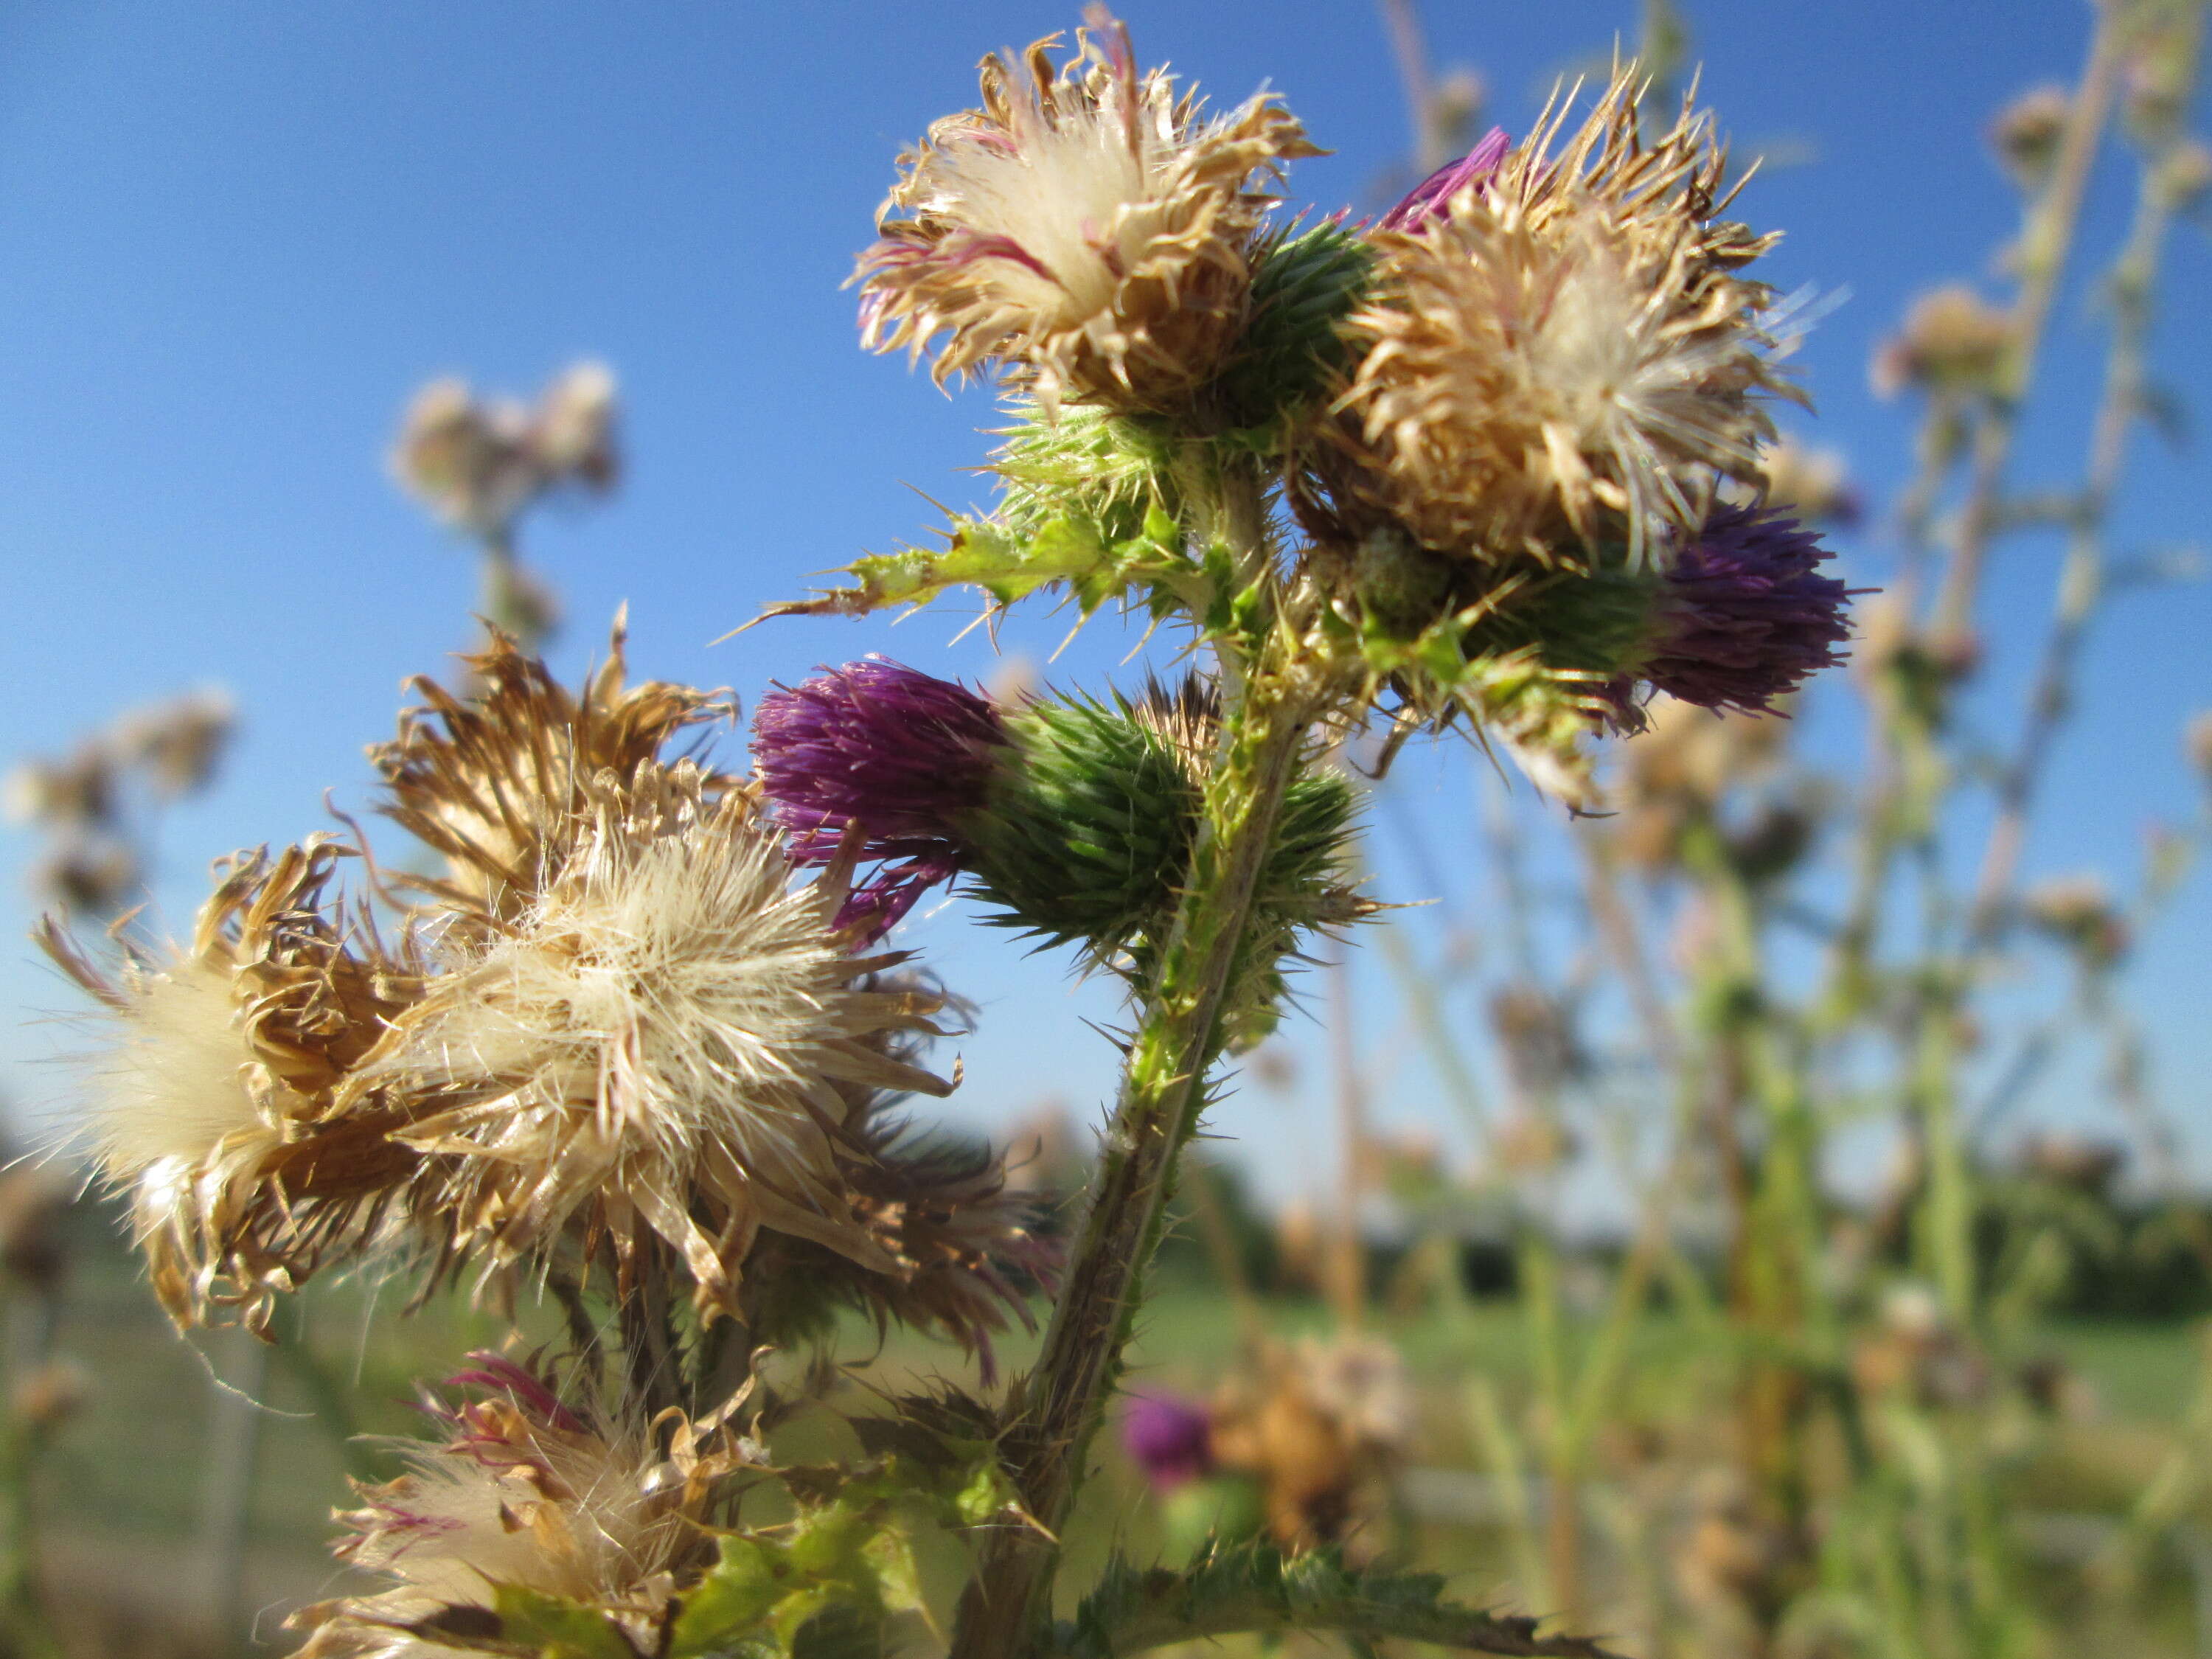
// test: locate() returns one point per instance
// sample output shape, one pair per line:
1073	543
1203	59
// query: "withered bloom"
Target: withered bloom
1084	230
654	1043
494	779
216	1103
476	462
1954	343
960	1252
524	1492
1564	353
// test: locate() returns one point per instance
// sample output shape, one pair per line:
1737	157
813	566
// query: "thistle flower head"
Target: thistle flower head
495	778
903	755
479	462
1431	199
1563	356
960	1250
178	744
216	1102
1085	230
1744	616
525	1492
654	1045
1953	341
1169	1439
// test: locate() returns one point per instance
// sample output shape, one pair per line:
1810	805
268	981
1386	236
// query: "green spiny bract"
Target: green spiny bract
1088	828
1088	833
1113	469
1303	285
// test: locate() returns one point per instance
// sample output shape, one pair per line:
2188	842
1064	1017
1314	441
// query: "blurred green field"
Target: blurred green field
125	1480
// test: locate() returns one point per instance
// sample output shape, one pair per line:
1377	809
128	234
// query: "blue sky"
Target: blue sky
234	239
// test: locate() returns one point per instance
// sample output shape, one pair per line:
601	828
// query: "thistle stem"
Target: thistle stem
1053	1412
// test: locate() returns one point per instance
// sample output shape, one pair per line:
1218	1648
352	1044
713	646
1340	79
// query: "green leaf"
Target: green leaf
556	1629
732	1603
1069	549
1254	1589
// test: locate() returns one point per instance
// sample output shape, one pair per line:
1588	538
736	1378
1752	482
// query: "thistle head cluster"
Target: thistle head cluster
614	1034
1522	420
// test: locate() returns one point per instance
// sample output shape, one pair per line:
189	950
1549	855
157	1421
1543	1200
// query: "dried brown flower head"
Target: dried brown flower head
1568	356
960	1248
77	793
88	875
653	1045
479	462
179	742
1085	230
215	1102
525	1491
496	779
1314	1424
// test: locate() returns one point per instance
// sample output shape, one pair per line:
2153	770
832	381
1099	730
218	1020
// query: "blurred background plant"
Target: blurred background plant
1755	1411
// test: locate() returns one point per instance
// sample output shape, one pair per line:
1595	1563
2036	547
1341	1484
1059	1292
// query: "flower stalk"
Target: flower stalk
1055	1411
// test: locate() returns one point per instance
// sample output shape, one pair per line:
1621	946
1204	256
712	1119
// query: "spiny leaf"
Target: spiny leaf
1070	549
1255	1589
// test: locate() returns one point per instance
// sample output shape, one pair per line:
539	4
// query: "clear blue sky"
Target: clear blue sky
233	239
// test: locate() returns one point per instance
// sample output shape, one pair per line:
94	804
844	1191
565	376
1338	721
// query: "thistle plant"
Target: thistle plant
628	1027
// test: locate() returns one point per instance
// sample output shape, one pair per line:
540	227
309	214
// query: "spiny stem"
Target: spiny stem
1057	1409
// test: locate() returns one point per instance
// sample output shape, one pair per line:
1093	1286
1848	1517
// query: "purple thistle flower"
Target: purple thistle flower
1169	1439
1431	198
903	754
1742	617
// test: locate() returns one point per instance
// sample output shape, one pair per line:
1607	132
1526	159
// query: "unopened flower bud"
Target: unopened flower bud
2026	133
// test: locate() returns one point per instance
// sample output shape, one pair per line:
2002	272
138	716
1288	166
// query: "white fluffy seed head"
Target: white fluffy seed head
1567	356
669	1022
173	1081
